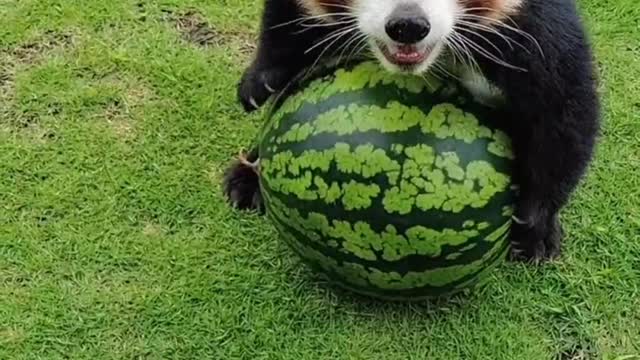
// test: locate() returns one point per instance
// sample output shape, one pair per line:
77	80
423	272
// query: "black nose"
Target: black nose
408	25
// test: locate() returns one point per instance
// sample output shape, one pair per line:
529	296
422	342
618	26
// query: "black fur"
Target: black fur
241	184
281	52
553	105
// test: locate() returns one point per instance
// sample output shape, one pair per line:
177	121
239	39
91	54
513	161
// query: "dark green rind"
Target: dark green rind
473	279
408	263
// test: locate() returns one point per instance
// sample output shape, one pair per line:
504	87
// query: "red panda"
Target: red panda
533	54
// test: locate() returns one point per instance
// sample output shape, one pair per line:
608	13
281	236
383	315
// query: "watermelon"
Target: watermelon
390	185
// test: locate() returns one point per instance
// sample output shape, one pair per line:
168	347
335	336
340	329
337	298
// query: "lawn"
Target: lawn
116	121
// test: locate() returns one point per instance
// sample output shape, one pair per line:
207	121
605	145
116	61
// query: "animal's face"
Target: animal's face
409	35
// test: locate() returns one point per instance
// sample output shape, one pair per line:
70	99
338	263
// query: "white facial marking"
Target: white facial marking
372	19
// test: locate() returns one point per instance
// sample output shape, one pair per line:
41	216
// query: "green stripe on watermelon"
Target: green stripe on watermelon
390	143
359	236
482	277
412	263
348	80
390	246
361	278
444	121
344	241
493	212
429	180
320	91
364	160
370	99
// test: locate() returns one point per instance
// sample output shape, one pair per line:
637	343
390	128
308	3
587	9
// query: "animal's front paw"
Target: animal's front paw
535	243
257	86
242	184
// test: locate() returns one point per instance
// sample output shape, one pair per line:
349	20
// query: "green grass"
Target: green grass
115	127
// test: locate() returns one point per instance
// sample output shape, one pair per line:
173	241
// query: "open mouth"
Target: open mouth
405	55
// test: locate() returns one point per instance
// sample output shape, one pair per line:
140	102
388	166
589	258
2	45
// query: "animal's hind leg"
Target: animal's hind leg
241	182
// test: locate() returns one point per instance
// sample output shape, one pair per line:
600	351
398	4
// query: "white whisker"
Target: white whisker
506	27
426	79
486	54
342	6
477	26
332	35
442	68
335	37
482	37
349	43
310	18
465	54
359	47
337	23
500	14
